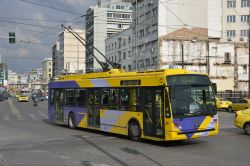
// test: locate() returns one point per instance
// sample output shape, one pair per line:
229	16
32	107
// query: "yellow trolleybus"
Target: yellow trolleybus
161	105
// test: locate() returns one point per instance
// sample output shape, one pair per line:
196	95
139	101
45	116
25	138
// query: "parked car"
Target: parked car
6	95
23	97
240	104
224	104
242	120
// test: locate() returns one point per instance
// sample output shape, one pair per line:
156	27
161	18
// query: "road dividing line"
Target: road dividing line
14	109
32	116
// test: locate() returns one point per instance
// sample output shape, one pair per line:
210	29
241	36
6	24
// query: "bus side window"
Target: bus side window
110	99
52	96
80	97
69	97
124	98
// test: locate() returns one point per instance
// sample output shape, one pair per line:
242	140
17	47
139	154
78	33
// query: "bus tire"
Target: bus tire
72	121
134	131
246	128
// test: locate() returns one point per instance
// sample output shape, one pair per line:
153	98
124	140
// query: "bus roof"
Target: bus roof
121	73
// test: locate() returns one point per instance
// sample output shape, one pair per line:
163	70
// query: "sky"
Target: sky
36	28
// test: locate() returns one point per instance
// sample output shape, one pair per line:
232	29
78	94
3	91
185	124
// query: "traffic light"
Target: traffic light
12	37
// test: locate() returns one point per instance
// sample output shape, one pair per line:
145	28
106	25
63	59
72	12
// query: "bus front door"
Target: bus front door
58	106
94	108
153	112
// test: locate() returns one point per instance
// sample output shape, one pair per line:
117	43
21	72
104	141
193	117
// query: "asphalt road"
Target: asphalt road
27	139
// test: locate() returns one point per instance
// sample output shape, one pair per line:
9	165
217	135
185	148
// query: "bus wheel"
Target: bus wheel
247	128
134	131
72	121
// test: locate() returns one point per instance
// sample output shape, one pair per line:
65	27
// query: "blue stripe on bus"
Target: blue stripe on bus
63	84
189	124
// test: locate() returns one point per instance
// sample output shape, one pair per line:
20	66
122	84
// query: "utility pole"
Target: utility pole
208	58
182	55
249	59
236	75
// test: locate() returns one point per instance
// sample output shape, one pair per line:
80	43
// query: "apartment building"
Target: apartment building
118	49
235	20
153	19
68	54
106	18
46	70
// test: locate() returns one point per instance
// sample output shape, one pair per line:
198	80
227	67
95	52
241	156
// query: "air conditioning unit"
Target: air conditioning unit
241	38
229	39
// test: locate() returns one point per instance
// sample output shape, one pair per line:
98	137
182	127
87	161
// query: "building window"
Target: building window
129	39
155	10
154	62
118	7
124	55
245	18
110	15
147	31
147	62
244	69
141	33
230	33
129	67
231	18
245	3
119	25
227	58
244	33
148	15
231	4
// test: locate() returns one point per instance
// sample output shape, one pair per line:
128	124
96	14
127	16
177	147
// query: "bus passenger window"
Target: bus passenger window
110	99
105	98
80	97
124	98
70	98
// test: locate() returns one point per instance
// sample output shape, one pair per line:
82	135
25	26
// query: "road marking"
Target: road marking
19	117
32	116
44	115
14	109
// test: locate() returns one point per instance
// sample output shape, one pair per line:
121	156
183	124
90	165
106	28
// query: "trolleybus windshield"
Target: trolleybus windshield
191	95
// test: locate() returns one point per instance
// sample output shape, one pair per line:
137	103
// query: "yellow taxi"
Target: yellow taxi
242	120
224	104
17	95
240	104
23	98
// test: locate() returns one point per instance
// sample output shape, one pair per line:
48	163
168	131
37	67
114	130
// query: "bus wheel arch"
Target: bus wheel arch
134	129
71	120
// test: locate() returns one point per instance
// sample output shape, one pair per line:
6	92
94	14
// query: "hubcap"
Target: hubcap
70	122
134	130
247	129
